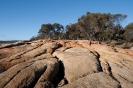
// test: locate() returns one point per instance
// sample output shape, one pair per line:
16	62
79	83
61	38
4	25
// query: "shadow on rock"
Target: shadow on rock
61	80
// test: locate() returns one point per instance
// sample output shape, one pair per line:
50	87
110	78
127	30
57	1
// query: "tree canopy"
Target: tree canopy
96	26
50	31
92	26
128	34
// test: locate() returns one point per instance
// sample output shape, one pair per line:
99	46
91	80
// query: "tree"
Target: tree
118	20
93	26
46	31
94	23
72	31
128	35
52	31
58	31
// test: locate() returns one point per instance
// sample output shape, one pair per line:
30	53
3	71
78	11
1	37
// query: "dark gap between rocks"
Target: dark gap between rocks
114	77
60	80
100	66
1	71
38	74
54	49
110	73
109	69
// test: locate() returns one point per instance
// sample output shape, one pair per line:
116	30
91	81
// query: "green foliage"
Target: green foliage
93	26
96	26
50	31
128	35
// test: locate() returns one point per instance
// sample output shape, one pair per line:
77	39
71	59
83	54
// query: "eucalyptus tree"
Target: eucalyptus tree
58	31
93	26
52	31
128	35
118	21
46	31
72	32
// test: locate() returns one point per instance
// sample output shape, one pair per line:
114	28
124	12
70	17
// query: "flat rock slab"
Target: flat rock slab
78	62
96	80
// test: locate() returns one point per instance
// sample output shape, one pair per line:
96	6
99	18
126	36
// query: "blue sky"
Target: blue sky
22	19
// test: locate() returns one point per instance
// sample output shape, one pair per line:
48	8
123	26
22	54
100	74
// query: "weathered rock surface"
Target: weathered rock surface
23	56
120	67
38	72
78	62
96	80
65	64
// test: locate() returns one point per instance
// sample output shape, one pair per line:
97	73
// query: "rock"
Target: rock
36	72
8	62
62	43
106	68
65	64
96	80
63	82
69	43
78	62
7	52
12	44
118	65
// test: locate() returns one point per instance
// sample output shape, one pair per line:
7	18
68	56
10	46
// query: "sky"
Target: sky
22	19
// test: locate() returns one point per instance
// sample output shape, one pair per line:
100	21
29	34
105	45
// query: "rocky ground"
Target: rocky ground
65	64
